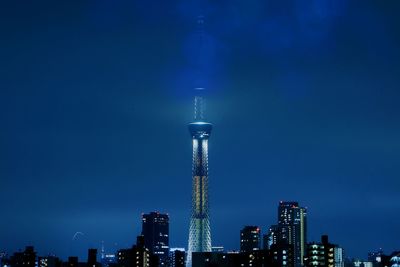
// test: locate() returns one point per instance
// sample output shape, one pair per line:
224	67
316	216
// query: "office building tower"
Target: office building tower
249	239
295	219
199	230
176	257
155	229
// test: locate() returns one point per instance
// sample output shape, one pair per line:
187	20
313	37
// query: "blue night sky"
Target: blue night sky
95	97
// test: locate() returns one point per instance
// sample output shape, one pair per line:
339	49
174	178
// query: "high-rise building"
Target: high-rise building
199	230
295	218
155	229
249	239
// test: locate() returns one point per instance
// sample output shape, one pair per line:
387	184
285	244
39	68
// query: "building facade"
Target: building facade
294	218
155	229
250	239
176	257
324	254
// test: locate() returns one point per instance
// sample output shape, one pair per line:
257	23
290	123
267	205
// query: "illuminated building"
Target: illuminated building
249	238
137	256
295	218
199	229
277	234
155	229
281	255
324	254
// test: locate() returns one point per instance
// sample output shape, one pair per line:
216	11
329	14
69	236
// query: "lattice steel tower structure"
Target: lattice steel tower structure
199	231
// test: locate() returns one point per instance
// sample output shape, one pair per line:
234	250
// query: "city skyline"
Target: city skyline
95	98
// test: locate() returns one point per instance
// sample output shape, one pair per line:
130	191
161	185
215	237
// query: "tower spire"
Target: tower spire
199	105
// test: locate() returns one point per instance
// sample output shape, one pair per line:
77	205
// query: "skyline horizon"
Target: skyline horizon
95	97
263	231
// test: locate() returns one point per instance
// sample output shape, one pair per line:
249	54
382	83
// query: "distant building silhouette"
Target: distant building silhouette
137	256
92	258
73	262
255	258
155	229
49	261
249	239
27	258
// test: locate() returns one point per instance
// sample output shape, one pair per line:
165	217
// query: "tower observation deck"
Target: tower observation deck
199	230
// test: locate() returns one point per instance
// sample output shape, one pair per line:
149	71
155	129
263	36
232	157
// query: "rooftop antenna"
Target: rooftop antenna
199	102
199	105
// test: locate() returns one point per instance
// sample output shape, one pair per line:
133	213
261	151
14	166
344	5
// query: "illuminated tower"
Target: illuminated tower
199	231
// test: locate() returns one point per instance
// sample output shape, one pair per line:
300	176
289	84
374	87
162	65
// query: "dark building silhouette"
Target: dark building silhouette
27	258
49	261
137	256
214	259
249	239
155	229
73	262
4	260
256	258
92	258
